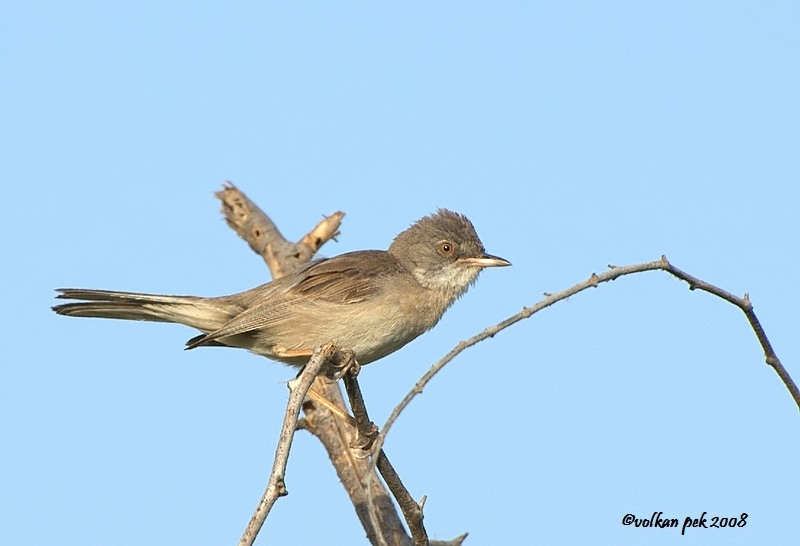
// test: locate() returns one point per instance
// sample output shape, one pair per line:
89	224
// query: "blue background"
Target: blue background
573	134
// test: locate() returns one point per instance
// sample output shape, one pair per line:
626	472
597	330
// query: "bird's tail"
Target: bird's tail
205	314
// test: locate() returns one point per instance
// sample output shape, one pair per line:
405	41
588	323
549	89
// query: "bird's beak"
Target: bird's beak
487	260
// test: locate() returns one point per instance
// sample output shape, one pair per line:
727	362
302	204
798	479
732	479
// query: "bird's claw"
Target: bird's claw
343	361
364	440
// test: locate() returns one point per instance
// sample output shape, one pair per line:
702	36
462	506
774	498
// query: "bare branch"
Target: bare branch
373	504
412	510
255	227
370	498
614	272
743	303
367	431
276	487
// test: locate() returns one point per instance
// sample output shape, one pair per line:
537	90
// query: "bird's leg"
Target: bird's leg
330	406
282	352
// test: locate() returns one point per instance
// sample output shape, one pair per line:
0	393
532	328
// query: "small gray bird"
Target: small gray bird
372	301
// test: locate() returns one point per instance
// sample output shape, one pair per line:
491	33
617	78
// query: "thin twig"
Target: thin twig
412	511
614	272
743	303
367	431
276	486
372	501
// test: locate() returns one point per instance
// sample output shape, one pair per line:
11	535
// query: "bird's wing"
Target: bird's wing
343	280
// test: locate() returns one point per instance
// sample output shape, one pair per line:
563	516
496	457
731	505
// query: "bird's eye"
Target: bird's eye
446	248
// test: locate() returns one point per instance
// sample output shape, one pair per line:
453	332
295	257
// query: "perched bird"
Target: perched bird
371	301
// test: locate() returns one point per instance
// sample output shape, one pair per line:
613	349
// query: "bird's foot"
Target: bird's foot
342	362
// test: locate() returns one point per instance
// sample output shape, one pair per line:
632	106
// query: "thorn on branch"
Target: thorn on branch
772	361
282	491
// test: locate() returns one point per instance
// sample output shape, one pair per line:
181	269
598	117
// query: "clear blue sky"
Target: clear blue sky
574	135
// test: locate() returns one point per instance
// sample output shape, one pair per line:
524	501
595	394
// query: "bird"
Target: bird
372	302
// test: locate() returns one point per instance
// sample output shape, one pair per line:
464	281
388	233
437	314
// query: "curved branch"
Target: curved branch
743	303
594	280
